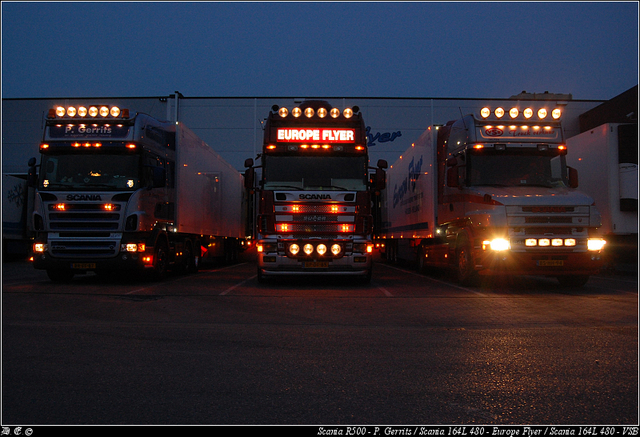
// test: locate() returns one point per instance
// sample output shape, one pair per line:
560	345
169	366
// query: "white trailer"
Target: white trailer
123	193
607	159
14	212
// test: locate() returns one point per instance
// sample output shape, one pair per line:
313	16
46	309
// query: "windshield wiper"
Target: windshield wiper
329	186
290	187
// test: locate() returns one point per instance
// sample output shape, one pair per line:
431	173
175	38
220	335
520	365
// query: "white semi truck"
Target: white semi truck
491	194
607	159
118	192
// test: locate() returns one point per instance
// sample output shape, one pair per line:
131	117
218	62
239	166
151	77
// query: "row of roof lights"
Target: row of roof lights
91	111
515	112
321	112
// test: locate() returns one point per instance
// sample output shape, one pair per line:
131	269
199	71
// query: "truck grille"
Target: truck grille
84	217
88	248
84	230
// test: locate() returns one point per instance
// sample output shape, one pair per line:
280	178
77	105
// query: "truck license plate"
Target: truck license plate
83	266
316	265
550	263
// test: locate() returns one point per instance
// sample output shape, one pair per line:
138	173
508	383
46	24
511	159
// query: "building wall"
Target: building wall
232	126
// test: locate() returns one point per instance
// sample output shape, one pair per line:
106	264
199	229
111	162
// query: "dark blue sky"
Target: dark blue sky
325	49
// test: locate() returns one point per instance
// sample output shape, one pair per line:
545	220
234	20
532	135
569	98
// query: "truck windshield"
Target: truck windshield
516	169
90	172
315	172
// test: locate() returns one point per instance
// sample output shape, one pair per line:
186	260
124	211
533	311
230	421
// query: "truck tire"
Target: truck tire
60	275
188	263
573	281
465	272
160	261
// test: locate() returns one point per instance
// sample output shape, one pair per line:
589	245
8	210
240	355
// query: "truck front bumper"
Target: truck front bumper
123	261
273	264
538	263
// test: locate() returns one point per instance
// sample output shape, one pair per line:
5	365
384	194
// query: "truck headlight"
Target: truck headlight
497	244
322	249
294	249
595	244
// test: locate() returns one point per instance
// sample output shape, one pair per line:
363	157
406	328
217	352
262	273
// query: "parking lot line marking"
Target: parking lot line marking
436	280
237	285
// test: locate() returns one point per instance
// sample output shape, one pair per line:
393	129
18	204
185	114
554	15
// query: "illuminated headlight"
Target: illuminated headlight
542	113
528	113
60	111
115	111
39	247
336	249
348	113
283	112
82	111
296	112
322	249
544	242
497	244
322	112
294	249
308	249
595	244
485	112
570	242
71	111
309	112
131	247
93	111
335	112
513	112
530	242
499	112
556	242
556	113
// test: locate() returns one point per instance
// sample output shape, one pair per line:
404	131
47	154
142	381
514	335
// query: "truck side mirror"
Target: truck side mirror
452	176
32	176
573	177
159	177
248	162
452	173
249	178
380	178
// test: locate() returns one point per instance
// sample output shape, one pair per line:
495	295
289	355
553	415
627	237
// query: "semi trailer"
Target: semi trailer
491	194
118	191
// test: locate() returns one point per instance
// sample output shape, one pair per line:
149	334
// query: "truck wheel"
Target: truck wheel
366	279
188	264
420	264
573	280
465	272
160	261
261	278
60	275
